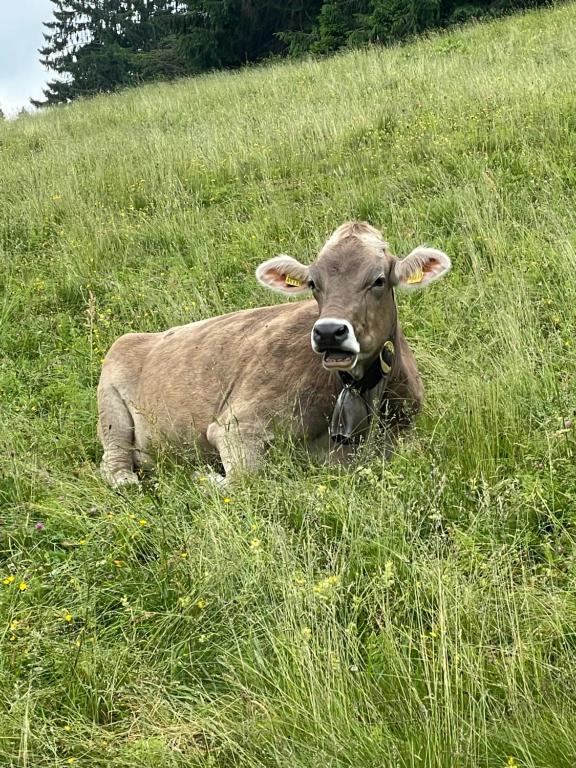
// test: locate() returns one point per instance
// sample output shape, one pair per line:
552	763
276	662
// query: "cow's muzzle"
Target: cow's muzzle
335	339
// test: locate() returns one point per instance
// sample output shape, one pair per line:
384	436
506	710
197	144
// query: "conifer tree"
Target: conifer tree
84	47
102	45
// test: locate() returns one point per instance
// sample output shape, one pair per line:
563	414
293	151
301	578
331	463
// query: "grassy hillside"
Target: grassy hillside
415	614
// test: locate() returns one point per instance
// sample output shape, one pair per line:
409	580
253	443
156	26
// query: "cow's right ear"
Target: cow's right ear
283	274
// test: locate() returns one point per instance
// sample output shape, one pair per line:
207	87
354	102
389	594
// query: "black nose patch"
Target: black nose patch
328	334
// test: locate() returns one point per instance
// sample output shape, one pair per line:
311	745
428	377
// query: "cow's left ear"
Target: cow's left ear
419	269
283	274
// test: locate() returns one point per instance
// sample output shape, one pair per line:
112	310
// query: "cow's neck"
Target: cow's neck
381	367
353	409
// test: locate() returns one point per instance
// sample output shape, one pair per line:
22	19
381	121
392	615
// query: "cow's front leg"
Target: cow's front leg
241	448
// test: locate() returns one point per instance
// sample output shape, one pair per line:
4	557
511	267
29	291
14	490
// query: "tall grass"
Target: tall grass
415	613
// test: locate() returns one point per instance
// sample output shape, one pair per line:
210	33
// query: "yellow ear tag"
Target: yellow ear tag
292	281
417	277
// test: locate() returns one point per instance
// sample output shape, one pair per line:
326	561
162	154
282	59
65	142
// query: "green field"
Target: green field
419	613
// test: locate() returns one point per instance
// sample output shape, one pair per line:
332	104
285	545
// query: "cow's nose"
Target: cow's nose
328	333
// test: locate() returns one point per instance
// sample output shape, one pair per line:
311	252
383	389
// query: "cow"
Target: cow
325	369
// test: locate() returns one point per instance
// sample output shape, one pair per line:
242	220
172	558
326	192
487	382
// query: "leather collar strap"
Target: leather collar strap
380	368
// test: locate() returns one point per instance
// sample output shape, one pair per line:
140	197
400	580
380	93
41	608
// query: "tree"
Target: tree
102	45
337	20
390	20
230	33
83	47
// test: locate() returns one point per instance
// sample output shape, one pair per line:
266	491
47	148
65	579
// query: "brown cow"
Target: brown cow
221	384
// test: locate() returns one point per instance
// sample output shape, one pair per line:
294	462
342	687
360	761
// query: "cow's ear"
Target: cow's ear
283	274
419	269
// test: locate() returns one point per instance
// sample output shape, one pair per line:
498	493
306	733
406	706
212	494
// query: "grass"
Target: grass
418	613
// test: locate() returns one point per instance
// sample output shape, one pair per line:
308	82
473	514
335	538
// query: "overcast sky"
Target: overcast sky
21	74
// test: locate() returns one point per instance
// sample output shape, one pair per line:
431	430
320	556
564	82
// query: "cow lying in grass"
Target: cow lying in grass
323	368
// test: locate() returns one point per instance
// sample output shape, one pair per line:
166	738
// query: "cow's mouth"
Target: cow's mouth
339	359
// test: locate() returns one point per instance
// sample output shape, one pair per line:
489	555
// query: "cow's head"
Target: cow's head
352	279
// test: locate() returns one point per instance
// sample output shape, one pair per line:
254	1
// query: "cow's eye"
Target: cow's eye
312	285
378	283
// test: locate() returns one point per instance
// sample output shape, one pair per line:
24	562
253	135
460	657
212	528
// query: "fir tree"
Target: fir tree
102	45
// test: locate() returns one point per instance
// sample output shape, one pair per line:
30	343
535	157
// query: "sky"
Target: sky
21	74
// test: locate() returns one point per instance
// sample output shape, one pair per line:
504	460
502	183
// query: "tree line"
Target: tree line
102	45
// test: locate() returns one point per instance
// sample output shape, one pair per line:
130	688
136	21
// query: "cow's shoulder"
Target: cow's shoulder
131	346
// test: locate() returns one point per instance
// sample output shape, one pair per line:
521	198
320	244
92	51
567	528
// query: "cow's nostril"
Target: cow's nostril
341	332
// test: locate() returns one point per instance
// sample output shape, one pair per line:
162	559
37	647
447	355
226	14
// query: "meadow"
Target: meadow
418	613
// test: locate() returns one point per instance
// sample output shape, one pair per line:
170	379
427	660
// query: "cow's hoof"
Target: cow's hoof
210	480
217	480
122	478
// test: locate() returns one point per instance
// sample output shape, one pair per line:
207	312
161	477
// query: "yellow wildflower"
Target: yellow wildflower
183	555
324	588
67	617
255	545
388	574
22	586
201	603
8	579
67	728
142	522
227	500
